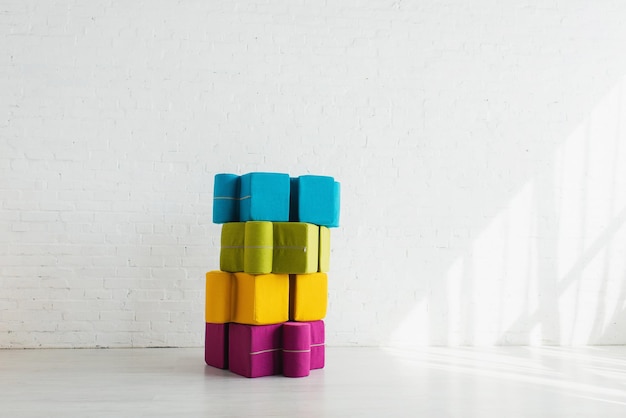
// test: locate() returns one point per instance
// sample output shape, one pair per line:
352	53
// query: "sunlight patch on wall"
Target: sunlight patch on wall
591	203
503	257
550	267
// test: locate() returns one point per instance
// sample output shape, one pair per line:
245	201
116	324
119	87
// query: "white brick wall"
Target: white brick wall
480	146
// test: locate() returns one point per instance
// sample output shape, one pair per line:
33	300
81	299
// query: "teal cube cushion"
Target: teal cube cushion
318	200
226	198
264	197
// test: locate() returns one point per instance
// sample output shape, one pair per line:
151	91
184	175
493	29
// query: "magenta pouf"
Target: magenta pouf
296	349
216	345
255	350
318	344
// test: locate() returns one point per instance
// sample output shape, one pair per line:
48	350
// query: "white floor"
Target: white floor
357	382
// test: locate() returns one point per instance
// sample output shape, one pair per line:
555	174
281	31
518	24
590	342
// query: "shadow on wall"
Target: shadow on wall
549	268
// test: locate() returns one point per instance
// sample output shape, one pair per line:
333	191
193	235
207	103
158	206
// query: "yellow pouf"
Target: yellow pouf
261	299
219	291
308	296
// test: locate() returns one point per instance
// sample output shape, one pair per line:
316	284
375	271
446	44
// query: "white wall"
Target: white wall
480	146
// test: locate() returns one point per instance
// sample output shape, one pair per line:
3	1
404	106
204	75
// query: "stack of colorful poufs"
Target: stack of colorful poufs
265	306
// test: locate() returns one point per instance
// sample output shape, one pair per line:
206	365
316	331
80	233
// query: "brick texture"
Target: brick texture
480	147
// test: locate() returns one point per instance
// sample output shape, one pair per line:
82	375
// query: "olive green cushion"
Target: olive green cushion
257	257
232	241
296	247
324	251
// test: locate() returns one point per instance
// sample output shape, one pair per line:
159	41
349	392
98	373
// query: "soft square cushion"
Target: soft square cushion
336	205
324	251
296	247
216	345
318	345
318	200
219	295
264	197
308	296
258	247
226	198
261	299
296	349
232	246
255	351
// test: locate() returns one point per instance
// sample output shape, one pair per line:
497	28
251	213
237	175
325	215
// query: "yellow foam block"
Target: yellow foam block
219	295
261	299
308	296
